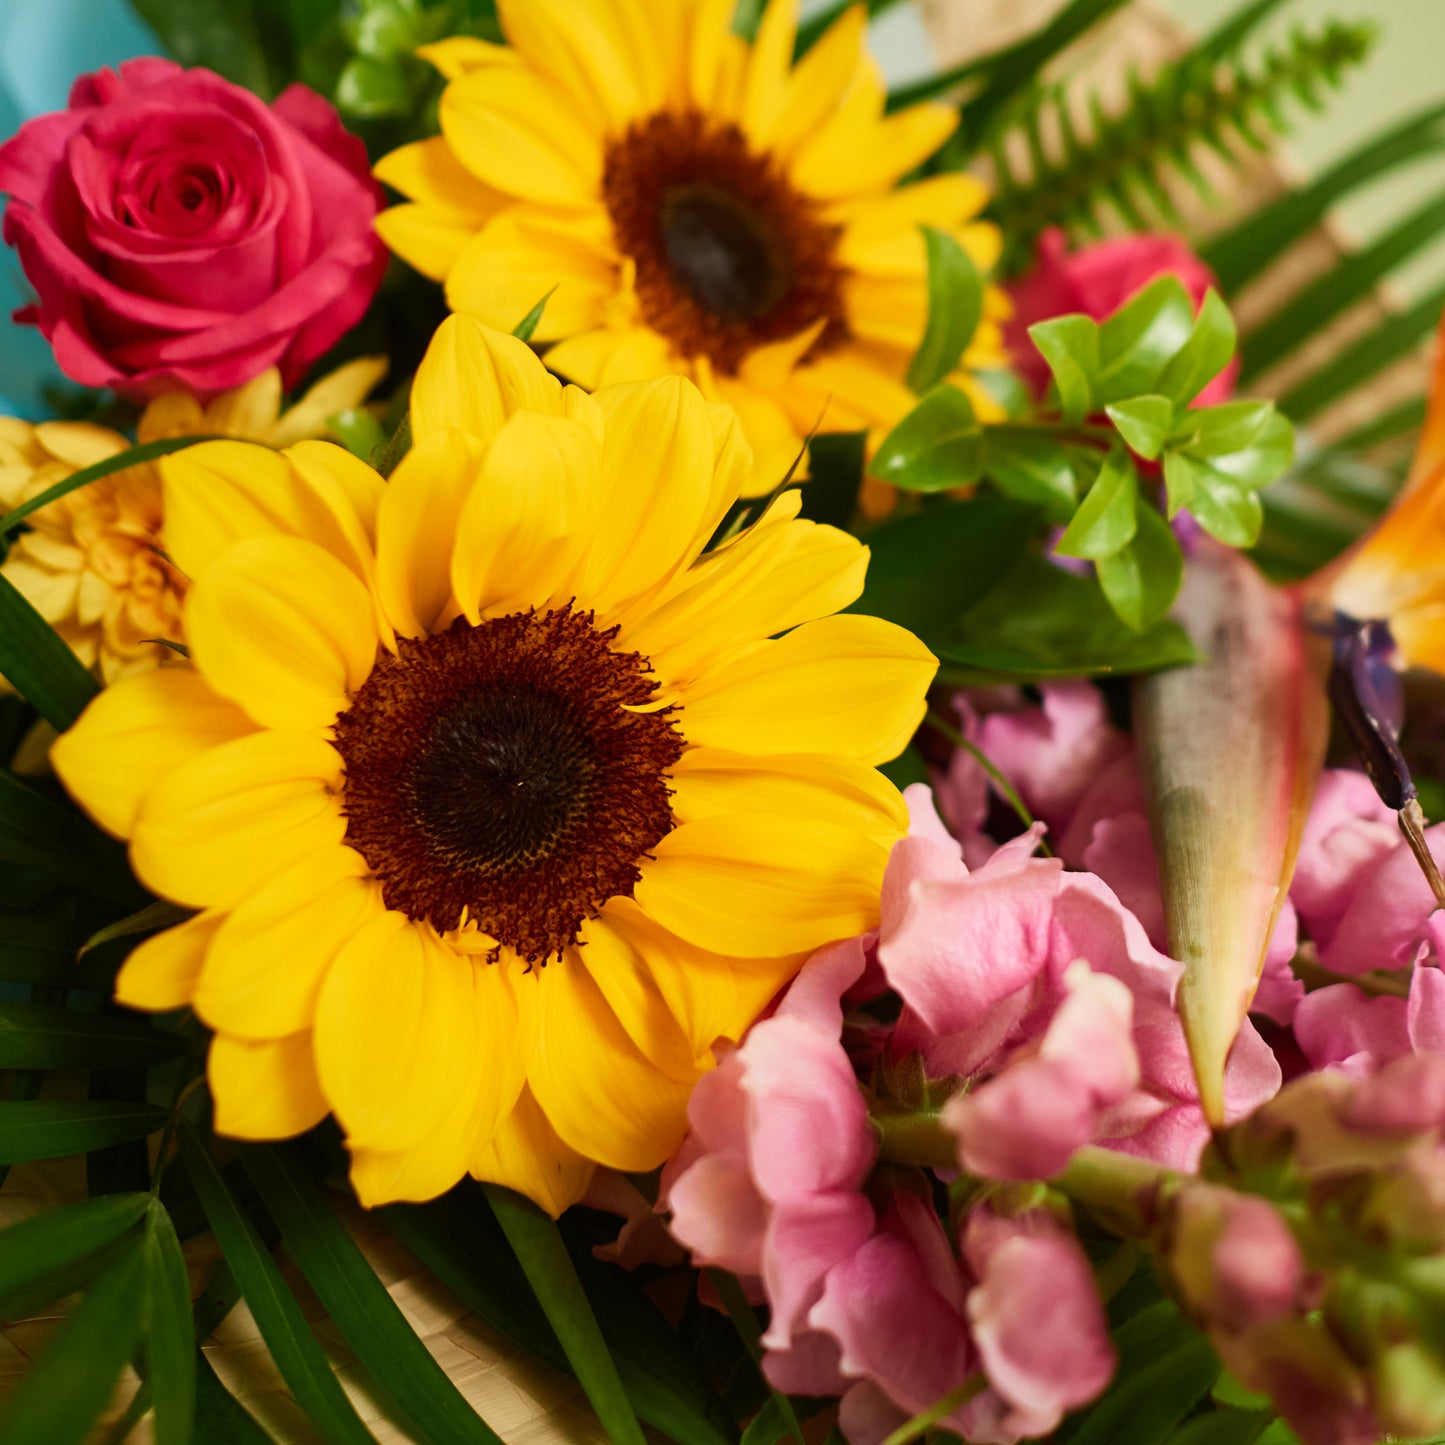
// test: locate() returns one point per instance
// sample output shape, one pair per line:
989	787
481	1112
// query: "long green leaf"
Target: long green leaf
35	1037
37	663
40	949
57	1249
46	1130
1353	279
283	1327
1364	358
1223	1427
171	1339
1243	252
221	1419
544	1259
37	833
60	1397
368	1318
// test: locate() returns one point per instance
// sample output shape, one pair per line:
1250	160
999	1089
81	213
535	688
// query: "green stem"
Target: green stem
1117	1188
941	725
916	1138
745	1322
921	1422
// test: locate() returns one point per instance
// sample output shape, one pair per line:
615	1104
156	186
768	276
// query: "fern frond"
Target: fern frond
1068	171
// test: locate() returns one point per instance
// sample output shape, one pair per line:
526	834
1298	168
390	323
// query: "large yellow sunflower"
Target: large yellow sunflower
500	801
702	206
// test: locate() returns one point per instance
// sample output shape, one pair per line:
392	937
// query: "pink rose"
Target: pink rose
1097	280
181	233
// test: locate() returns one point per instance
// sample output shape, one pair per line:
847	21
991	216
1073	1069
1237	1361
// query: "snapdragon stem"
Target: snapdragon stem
920	1424
1117	1188
916	1138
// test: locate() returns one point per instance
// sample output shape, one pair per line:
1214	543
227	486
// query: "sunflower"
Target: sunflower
499	798
93	563
694	205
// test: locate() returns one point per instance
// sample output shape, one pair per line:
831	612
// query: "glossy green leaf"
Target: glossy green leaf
50	838
69	1385
1107	517
1031	467
1139	338
549	1270
1223	1427
1040	621
33	1036
1180	478
955	307
38	664
1144	422
283	1327
525	328
1070	345
936	447
927	569
1226	513
1264	461
1232	426
171	1336
357	1301
1142	579
48	1255
46	1129
1208	351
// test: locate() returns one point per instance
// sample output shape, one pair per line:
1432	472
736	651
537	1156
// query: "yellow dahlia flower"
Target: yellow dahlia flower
93	563
500	801
701	205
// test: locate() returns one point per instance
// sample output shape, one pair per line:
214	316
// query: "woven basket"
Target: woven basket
523	1400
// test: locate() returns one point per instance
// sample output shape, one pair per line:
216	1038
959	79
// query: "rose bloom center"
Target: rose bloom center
502	775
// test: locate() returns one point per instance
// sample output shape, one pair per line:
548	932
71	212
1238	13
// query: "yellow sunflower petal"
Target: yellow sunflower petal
464	54
772	437
473	378
505	269
417	529
711	997
282	628
872	674
770	579
657	478
522	135
709	781
821	79
79	443
529	516
857	390
765	87
630	1115
161	973
268	960
134	734
713	51
453	205
423	1170
399	1033
264	1090
215	829
349	489
525	1154
944	201
307	417
609	357
173	414
219	493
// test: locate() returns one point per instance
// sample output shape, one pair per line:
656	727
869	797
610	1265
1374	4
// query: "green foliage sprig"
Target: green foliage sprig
1124	160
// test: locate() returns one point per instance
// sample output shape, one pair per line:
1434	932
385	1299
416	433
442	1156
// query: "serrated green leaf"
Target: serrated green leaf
936	447
38	664
1070	345
544	1259
1210	431
50	838
35	1037
955	307
1106	518
283	1327
170	1336
1033	468
926	570
65	1390
525	328
1141	580
1140	337
43	1129
48	1255
1144	422
1208	351
367	1316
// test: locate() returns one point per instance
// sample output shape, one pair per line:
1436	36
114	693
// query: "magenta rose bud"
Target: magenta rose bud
180	233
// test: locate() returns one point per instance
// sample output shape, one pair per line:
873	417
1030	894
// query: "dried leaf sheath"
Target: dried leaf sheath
1230	750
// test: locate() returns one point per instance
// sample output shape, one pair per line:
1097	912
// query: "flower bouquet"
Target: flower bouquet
689	714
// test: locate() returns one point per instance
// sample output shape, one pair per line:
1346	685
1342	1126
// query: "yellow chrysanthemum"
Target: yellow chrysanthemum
500	801
702	206
93	563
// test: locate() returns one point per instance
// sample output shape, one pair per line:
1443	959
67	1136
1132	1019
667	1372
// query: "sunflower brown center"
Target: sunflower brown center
499	772
729	255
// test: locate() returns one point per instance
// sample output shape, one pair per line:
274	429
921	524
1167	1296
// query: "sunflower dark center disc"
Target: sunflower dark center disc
729	256
497	772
